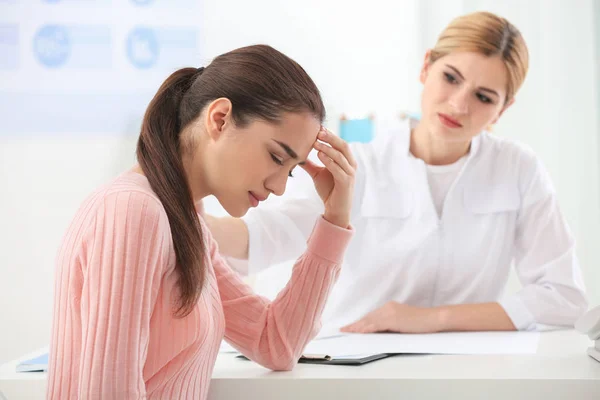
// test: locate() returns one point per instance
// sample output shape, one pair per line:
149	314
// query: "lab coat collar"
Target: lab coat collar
391	172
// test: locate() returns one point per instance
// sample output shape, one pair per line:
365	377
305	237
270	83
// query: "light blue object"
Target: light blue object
142	47
141	2
37	364
356	130
51	45
414	115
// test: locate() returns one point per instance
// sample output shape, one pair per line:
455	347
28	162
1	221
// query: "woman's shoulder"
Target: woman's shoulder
128	194
123	208
504	160
504	147
135	185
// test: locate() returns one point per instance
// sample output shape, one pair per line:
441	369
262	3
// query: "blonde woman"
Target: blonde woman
443	209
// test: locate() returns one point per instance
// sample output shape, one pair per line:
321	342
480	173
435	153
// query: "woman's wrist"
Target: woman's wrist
341	220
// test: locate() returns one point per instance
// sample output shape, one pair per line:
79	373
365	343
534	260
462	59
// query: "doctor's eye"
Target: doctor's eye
450	78
483	98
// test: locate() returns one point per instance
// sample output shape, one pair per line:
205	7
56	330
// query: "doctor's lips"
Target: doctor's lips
449	121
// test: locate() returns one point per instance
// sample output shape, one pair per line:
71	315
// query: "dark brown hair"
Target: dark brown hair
261	83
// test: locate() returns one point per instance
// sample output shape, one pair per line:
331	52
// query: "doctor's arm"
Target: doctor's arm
231	234
553	292
403	318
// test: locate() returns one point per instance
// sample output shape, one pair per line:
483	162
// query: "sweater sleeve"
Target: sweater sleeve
274	334
125	253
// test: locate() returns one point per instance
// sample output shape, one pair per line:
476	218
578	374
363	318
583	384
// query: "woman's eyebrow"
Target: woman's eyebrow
463	78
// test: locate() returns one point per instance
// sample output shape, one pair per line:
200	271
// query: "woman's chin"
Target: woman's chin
237	211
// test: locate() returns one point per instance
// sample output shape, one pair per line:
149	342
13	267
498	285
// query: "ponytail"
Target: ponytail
159	155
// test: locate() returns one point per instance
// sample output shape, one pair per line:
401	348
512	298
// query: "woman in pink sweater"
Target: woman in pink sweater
142	296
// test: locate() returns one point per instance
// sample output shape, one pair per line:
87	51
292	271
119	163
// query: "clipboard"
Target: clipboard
328	360
36	364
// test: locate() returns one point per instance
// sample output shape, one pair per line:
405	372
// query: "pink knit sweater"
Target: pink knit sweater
114	335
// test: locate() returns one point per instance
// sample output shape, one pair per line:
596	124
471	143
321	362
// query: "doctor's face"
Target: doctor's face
463	93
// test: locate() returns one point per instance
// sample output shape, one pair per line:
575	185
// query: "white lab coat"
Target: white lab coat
500	211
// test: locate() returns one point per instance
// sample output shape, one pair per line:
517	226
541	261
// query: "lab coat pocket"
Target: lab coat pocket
492	199
387	230
489	222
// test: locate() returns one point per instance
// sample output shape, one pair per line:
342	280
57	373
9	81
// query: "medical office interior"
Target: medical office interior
76	76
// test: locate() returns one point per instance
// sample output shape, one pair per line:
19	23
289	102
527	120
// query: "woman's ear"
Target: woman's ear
218	117
425	67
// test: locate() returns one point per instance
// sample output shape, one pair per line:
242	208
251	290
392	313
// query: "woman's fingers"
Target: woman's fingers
311	168
336	171
336	156
339	144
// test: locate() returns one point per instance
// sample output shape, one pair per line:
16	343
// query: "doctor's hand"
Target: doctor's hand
396	317
335	181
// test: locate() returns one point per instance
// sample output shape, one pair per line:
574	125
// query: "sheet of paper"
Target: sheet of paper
329	332
226	348
434	343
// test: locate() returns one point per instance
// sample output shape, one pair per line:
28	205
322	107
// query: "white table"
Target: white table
561	369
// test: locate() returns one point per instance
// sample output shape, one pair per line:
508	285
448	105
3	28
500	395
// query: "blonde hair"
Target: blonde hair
491	35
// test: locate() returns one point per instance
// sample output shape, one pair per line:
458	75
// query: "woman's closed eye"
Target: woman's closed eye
276	159
279	162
